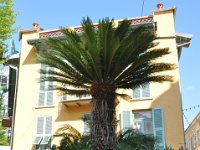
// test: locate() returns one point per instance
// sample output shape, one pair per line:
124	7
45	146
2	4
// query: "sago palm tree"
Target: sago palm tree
97	63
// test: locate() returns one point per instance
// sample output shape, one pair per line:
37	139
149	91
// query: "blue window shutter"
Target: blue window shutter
40	125
41	99
126	119
145	90
48	125
159	128
136	92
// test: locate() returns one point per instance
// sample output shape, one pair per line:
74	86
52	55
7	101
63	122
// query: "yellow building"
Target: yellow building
154	109
192	134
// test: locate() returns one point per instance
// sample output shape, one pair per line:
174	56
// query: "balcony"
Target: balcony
70	101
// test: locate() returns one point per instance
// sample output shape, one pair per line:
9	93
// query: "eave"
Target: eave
77	103
183	40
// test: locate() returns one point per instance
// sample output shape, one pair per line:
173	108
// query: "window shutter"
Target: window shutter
41	99
126	119
145	90
48	126
42	88
40	124
86	126
42	84
136	92
159	128
50	98
50	91
37	140
65	97
45	140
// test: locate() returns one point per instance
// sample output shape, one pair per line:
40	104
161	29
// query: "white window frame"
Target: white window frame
141	90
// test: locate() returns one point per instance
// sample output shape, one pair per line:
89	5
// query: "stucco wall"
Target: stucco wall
165	95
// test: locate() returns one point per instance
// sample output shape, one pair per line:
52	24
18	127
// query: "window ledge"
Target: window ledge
141	99
41	107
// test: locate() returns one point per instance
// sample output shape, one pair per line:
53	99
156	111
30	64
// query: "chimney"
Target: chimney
160	6
35	25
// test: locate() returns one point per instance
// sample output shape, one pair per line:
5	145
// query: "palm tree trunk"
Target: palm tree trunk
103	136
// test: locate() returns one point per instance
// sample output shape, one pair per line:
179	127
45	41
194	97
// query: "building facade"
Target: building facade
153	109
192	134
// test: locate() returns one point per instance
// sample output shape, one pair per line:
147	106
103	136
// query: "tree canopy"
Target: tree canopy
97	63
7	19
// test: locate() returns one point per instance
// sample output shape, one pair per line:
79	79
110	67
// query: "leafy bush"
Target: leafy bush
128	140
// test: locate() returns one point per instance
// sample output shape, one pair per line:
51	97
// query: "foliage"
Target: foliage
129	140
7	19
170	148
97	63
3	137
118	57
71	139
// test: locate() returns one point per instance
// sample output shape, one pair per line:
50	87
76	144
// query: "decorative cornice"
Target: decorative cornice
133	22
140	21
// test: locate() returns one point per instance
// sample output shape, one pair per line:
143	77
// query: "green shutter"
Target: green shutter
126	119
136	92
48	125
40	124
145	90
159	128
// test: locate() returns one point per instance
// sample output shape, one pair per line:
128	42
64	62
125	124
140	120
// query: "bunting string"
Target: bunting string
191	108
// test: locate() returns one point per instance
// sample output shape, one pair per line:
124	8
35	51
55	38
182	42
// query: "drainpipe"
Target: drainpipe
14	104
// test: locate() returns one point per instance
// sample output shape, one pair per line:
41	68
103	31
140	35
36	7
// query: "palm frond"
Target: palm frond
122	57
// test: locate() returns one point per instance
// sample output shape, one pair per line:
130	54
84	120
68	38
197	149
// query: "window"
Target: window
43	133
142	91
3	79
147	122
86	123
143	121
45	96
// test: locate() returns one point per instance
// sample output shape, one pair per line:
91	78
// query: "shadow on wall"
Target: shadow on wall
71	113
169	99
31	57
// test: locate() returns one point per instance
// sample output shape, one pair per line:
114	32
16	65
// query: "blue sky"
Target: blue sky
61	13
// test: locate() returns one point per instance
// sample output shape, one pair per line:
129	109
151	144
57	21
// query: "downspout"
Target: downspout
14	104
